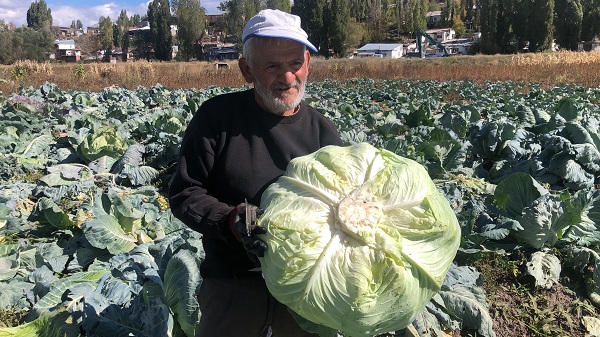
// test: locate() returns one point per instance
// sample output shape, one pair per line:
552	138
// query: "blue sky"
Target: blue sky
65	11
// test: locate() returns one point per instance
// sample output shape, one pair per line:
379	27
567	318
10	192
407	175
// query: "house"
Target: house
219	52
593	45
458	46
214	27
442	35
381	50
66	31
144	25
434	19
66	51
93	30
215	18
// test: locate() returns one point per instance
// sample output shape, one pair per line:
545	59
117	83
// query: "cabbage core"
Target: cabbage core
353	214
359	239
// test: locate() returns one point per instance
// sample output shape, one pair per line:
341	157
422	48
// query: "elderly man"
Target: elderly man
234	147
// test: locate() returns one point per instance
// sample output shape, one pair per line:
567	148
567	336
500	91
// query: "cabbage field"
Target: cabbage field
88	245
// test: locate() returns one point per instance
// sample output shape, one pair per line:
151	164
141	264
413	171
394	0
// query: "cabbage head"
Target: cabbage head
359	239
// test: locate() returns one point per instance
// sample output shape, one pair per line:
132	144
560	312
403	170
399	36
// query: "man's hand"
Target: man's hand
237	224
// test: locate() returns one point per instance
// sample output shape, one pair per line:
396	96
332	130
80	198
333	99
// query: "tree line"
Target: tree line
33	42
36	41
157	42
507	26
510	26
335	26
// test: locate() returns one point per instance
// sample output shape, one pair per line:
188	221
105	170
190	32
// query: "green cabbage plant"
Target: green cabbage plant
359	239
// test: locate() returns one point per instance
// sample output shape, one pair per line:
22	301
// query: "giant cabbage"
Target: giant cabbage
359	239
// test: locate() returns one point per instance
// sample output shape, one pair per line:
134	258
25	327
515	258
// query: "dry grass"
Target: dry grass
545	68
561	58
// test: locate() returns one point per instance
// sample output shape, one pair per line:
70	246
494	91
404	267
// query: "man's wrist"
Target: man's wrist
232	218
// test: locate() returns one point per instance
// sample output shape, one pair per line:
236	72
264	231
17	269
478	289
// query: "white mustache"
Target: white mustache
295	85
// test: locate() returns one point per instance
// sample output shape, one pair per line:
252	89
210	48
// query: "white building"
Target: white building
381	50
442	35
459	46
66	51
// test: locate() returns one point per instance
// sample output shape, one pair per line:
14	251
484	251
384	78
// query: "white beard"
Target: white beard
275	104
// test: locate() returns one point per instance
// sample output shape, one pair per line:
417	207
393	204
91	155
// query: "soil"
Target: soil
519	308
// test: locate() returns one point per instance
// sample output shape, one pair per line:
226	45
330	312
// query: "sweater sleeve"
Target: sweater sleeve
188	197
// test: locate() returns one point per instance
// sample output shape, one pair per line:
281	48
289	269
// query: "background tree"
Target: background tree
512	26
505	37
282	5
159	15
39	16
567	24
541	25
190	22
125	46
419	15
235	16
396	18
489	35
470	15
449	12
123	20
105	27
121	34
117	35
590	24
434	6
142	45
339	20
134	20
459	26
312	12
327	24
405	18
24	43
79	24
520	10
359	10
5	42
376	23
357	34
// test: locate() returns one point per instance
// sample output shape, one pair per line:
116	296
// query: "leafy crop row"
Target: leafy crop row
88	245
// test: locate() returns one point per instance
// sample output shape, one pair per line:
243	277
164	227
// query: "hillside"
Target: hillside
88	43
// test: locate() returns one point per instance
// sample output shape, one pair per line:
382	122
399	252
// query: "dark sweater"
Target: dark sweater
233	149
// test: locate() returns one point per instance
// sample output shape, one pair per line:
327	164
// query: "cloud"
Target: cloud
63	15
15	13
89	16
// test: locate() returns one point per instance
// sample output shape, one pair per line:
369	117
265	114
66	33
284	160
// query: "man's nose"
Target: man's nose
288	75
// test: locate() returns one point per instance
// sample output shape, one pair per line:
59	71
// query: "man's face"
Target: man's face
279	73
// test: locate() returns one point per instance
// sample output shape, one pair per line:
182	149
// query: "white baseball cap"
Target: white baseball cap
278	24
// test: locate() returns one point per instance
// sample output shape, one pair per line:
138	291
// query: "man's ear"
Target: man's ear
245	69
